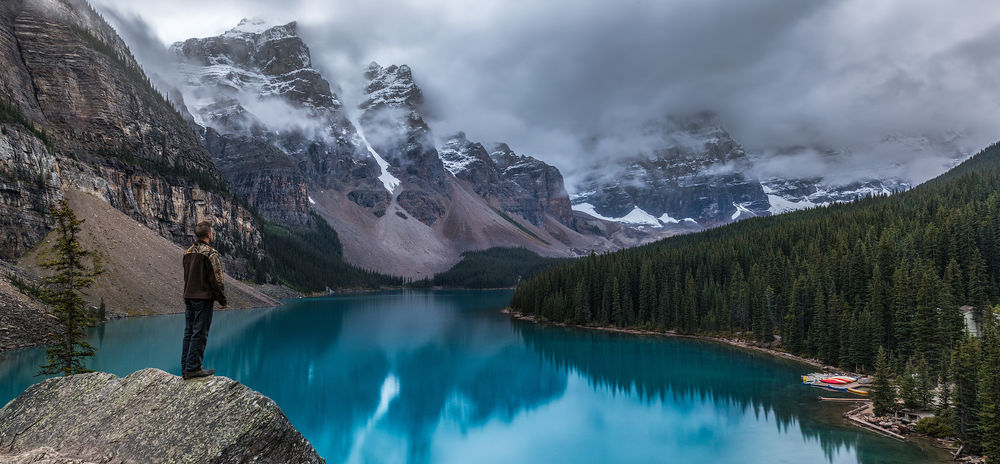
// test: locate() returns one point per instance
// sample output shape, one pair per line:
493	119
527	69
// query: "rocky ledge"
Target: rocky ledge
148	416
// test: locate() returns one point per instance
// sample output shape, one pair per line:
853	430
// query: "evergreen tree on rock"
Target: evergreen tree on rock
74	270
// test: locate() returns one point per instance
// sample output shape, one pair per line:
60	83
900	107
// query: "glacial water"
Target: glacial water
444	377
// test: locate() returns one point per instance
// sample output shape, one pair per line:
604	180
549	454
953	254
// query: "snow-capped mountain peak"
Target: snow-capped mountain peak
391	87
250	25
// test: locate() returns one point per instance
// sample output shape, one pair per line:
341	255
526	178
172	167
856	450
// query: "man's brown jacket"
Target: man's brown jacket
203	274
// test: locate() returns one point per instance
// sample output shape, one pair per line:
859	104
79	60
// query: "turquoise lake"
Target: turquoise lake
444	377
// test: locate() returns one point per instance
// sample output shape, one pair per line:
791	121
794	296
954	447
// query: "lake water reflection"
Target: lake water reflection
442	376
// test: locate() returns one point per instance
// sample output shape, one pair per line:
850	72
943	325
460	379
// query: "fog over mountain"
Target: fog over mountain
894	87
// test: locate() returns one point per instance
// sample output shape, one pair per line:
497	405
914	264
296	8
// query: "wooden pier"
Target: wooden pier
852	416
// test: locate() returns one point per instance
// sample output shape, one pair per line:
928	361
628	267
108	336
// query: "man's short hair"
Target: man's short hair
203	229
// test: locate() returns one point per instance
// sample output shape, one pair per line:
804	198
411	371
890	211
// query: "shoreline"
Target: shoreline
517	315
852	417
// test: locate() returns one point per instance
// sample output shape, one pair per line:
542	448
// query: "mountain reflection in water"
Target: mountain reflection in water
442	376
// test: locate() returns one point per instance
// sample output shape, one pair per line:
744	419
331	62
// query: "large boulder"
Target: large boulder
149	416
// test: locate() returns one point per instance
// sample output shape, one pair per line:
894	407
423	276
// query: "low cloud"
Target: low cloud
562	80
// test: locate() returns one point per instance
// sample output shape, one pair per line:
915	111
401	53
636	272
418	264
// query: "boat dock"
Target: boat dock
838	383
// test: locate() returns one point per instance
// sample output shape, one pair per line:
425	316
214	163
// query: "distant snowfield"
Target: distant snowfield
635	217
781	205
666	219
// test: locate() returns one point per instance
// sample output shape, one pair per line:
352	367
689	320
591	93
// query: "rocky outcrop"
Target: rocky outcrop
29	189
792	194
257	81
24	321
147	417
90	120
261	174
93	96
519	184
541	181
696	173
395	128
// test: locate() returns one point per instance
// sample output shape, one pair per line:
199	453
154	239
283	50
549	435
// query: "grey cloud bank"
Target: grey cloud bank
571	81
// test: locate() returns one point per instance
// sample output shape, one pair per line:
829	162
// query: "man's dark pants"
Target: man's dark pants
197	321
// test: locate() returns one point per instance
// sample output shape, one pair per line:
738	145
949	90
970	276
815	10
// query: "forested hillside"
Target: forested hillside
835	283
496	267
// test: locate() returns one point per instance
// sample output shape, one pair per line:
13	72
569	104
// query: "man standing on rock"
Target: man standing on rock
203	286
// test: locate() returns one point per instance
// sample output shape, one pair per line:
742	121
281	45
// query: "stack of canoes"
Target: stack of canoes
842	383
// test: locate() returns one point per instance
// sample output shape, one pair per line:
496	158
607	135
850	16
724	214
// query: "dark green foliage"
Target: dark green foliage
875	283
965	391
9	112
883	393
935	427
494	268
989	393
73	270
311	259
102	311
25	287
835	283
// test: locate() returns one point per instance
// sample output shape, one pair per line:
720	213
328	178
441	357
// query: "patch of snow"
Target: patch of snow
635	217
690	220
251	25
455	161
781	205
311	201
741	209
666	219
389	181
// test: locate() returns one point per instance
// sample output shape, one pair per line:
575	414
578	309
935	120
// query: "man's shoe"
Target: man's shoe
198	374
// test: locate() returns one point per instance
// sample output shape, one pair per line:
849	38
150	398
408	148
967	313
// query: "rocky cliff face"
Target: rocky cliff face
255	90
24	321
86	117
695	175
542	182
148	416
519	184
29	189
785	195
263	175
395	129
701	177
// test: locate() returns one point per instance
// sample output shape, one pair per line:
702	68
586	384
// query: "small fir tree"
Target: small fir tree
74	270
883	393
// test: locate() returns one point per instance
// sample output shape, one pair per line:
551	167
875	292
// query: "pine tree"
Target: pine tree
877	296
924	384
617	314
581	302
926	321
989	392
902	312
74	270
883	394
965	381
647	294
102	311
792	332
978	282
908	387
945	408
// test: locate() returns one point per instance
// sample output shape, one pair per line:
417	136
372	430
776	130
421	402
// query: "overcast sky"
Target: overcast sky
548	76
